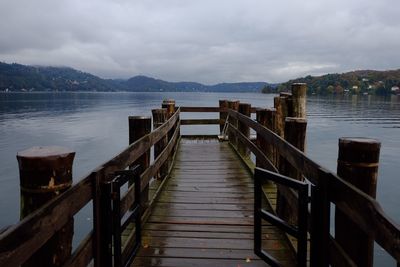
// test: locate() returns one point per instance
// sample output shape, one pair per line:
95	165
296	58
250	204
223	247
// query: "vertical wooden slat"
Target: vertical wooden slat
295	134
244	109
159	117
234	105
170	106
138	127
223	104
320	223
101	220
265	117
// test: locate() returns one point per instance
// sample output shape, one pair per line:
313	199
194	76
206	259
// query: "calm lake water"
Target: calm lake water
95	125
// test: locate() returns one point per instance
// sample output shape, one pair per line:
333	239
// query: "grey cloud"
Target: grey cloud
206	41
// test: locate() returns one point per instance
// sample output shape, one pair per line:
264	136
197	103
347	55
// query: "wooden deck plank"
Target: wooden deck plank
204	215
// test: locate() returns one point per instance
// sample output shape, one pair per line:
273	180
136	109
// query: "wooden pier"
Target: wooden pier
204	215
246	197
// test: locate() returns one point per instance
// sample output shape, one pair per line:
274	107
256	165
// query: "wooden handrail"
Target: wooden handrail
138	148
201	121
23	239
360	207
296	157
253	148
129	196
210	109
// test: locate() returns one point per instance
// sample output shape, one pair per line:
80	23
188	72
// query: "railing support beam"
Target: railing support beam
223	104
265	117
159	117
244	109
138	127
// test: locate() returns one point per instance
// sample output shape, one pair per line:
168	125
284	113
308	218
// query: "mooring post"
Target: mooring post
139	126
159	117
288	104
299	91
234	105
358	162
169	104
295	134
281	107
223	104
46	172
265	117
244	109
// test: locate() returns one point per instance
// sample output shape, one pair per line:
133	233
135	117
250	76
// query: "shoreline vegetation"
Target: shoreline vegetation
361	82
21	78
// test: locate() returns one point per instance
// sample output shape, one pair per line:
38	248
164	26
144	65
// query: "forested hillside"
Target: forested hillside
354	82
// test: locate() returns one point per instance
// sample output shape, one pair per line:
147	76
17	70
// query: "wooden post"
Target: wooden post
281	107
223	104
159	117
169	104
138	127
357	164
295	134
299	91
244	109
46	172
265	117
231	136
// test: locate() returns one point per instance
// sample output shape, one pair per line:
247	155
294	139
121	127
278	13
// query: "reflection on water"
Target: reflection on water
95	125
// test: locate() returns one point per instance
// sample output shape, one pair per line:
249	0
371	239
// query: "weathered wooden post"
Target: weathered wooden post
234	105
139	126
223	104
299	91
244	109
295	134
159	117
265	117
358	162
281	113
169	104
46	172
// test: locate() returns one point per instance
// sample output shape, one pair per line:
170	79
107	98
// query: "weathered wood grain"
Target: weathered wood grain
208	210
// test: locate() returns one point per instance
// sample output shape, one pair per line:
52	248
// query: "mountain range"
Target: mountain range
21	78
17	77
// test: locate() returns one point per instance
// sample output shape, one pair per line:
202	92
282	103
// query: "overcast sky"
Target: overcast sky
207	41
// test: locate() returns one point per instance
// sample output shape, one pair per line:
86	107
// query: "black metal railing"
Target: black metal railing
118	220
299	232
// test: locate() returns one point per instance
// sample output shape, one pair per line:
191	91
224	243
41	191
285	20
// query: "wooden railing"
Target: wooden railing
19	242
329	188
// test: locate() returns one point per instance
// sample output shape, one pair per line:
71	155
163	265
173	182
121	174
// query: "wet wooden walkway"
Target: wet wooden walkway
204	215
